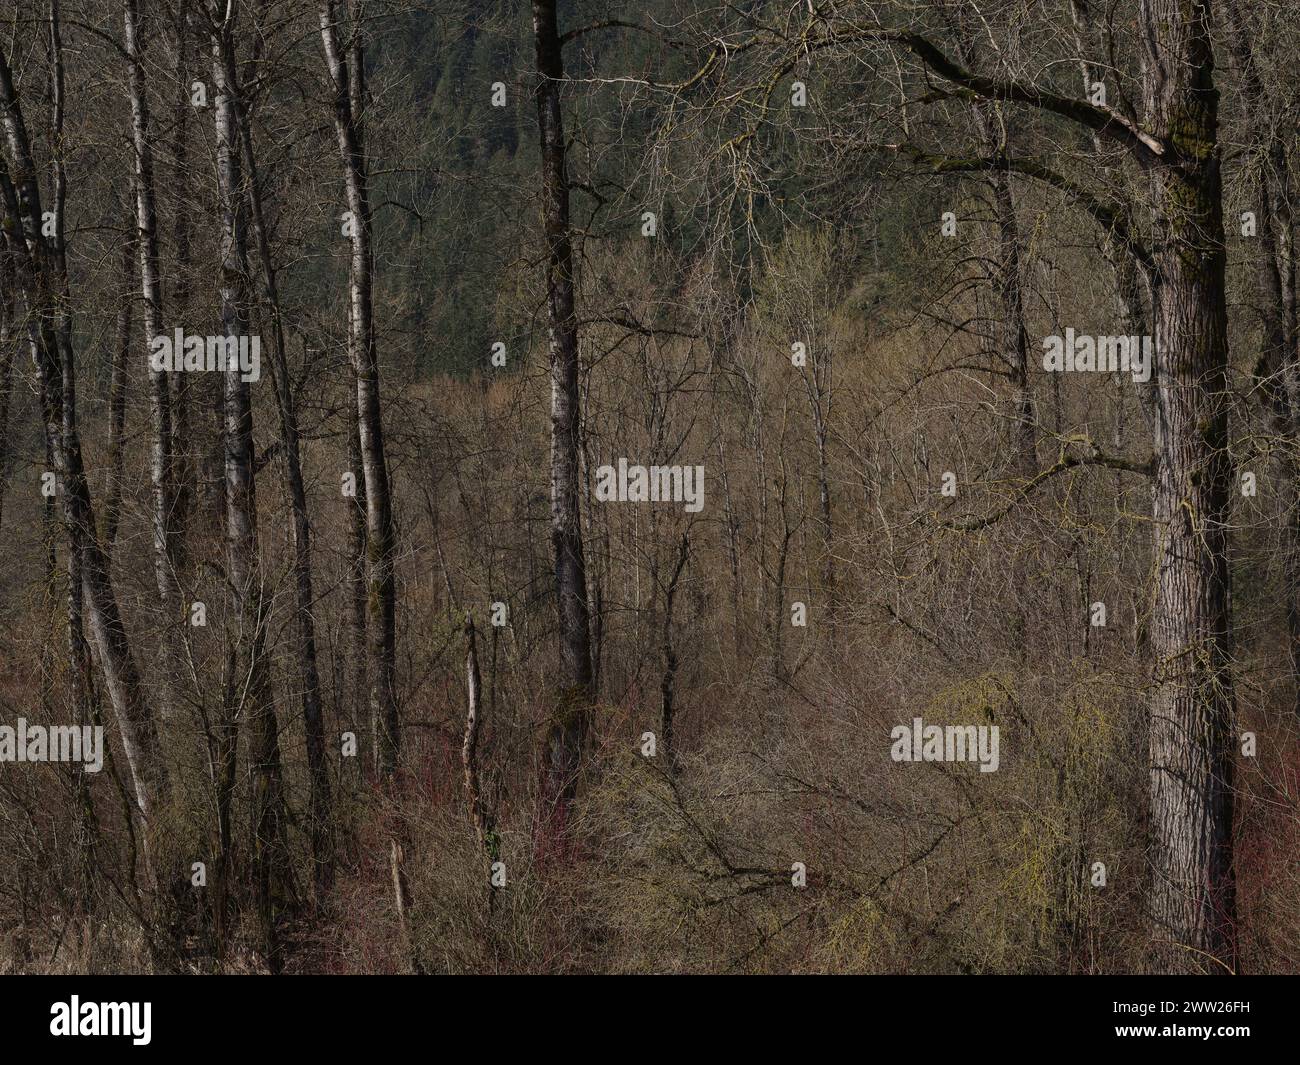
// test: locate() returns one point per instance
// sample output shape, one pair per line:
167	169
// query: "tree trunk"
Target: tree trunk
362	352
182	385
160	459
356	577
469	745
567	728
1193	888
8	351
253	690
320	816
1012	338
668	685
122	679
117	390
1193	896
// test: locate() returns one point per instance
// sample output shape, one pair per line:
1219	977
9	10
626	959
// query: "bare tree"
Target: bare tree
1193	888
249	692
347	89
58	386
567	728
321	806
161	465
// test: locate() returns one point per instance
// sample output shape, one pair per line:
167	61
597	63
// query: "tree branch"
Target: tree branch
1093	458
1105	121
1113	217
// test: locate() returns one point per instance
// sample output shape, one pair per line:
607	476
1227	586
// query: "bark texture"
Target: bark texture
566	731
347	89
250	695
1193	888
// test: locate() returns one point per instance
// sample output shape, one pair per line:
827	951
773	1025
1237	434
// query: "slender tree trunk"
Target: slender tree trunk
151	293
8	351
469	745
1011	338
117	391
80	672
1012	341
402	903
567	729
321	817
356	577
182	387
160	460
358	548
243	562
79	665
362	352
668	686
134	714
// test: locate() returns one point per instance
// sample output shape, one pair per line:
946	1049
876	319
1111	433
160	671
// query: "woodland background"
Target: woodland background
130	210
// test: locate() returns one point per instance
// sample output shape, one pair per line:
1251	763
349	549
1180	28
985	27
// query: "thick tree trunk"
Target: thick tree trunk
1193	889
364	357
1192	900
567	729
